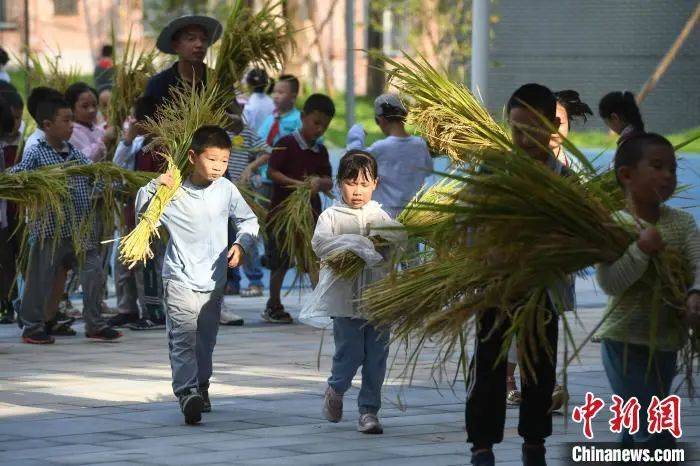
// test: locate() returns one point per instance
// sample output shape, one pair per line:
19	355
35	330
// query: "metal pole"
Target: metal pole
27	84
350	63
480	48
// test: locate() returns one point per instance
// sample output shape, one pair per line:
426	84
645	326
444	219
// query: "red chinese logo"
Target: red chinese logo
625	414
587	412
665	415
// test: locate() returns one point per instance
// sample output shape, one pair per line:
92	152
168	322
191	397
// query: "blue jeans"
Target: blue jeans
357	343
251	263
633	380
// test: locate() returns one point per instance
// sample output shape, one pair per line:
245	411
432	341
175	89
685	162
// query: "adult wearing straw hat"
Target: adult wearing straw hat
188	37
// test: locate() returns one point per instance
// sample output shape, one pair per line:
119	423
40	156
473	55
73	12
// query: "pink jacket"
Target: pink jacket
88	140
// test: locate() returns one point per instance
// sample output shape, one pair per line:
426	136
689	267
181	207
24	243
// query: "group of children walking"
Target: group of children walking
212	231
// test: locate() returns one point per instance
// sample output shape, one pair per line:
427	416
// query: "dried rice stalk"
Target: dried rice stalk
293	226
131	72
172	130
250	38
46	71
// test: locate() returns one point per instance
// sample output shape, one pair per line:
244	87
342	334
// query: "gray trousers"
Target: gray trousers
357	343
192	321
44	263
130	287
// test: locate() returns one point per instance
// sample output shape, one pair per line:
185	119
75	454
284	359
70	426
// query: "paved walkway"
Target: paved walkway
83	402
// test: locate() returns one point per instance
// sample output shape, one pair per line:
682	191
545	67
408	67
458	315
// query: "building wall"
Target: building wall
79	36
597	46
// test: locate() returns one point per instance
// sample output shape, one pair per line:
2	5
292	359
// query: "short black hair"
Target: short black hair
4	57
631	152
48	109
13	99
319	103
623	104
105	87
38	95
75	90
107	50
292	80
535	96
145	107
210	136
572	103
355	162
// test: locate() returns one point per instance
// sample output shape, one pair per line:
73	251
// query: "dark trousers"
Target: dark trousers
485	410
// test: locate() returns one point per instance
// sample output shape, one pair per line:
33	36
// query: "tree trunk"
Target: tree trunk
376	80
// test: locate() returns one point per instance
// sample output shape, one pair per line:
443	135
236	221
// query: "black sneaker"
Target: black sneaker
206	402
106	334
276	315
191	405
145	324
121	320
60	329
534	455
37	336
483	458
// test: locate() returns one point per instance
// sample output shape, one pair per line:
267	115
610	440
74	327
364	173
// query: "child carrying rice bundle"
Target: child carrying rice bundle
300	169
348	226
639	342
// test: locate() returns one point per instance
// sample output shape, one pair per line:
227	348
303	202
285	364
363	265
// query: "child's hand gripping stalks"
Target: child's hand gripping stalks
166	179
650	241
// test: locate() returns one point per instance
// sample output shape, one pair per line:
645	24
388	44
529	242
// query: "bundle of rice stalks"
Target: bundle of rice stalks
172	130
131	72
47	71
526	228
293	226
344	264
447	114
252	38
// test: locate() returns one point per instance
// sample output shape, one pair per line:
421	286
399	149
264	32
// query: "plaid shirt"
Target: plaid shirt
81	190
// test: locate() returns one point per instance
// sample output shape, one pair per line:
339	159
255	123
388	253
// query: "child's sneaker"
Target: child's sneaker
276	315
230	318
333	405
122	319
60	329
106	334
191	405
206	402
37	336
369	424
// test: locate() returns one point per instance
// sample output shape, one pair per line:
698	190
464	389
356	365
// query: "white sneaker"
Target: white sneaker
229	318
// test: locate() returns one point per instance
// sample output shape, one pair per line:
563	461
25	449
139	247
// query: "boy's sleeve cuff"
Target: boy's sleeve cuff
636	253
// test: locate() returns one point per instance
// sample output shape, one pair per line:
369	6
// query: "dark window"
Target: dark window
65	7
3	11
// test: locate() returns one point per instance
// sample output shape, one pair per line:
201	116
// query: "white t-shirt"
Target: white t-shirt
33	140
258	108
403	165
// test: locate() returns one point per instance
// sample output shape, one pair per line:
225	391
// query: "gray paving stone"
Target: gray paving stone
267	395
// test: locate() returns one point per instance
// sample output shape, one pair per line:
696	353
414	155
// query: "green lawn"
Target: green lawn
364	113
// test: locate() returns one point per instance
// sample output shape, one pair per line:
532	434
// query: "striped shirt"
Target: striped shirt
630	296
81	192
247	146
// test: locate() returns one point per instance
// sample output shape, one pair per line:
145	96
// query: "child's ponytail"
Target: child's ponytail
574	106
624	105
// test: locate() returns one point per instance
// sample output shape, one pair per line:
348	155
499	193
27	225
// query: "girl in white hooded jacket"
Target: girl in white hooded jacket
348	225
